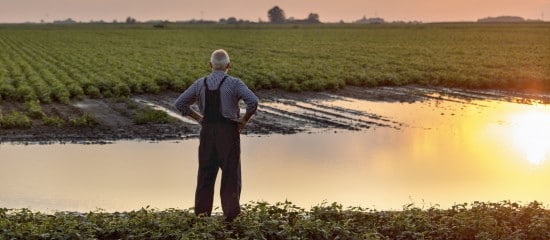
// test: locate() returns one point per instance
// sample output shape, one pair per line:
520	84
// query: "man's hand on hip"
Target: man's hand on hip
242	122
196	116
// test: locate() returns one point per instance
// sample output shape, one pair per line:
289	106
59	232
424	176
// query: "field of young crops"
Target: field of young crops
48	63
504	220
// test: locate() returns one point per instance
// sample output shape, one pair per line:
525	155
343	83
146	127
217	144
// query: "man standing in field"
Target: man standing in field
218	95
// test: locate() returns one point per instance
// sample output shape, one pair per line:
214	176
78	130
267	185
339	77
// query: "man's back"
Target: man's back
231	92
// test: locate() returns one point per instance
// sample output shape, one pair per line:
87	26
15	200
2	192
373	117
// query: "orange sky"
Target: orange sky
329	11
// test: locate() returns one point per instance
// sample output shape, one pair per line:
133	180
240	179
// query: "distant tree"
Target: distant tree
232	20
130	20
276	15
222	20
313	18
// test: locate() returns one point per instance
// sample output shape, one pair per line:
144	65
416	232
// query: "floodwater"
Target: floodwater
442	152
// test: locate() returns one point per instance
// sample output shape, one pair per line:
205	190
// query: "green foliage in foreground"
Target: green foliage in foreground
60	63
504	220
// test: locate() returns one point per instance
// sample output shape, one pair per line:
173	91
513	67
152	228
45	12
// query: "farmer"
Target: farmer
217	96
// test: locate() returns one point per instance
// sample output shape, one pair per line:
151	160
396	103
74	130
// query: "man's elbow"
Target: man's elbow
253	107
255	100
182	107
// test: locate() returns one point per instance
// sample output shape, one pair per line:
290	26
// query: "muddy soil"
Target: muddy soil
279	112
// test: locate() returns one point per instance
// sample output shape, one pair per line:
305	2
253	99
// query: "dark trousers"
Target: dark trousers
219	148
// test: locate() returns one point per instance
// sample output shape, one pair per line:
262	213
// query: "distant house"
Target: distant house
366	20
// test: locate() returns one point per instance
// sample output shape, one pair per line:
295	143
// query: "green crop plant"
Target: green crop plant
85	60
150	115
84	120
33	109
53	121
14	119
261	220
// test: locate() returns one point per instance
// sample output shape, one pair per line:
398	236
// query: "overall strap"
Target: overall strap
223	80
204	82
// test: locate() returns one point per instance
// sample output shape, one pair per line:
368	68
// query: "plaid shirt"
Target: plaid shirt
231	91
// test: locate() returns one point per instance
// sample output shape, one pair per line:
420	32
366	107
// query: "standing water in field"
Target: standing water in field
443	149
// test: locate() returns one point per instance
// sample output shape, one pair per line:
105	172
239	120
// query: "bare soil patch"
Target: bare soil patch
280	112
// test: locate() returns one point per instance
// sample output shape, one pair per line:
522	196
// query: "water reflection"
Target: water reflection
447	152
531	133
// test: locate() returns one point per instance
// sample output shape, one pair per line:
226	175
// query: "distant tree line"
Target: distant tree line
233	20
66	21
505	19
277	15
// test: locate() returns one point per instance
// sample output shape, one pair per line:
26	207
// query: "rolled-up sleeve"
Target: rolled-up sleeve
249	98
186	99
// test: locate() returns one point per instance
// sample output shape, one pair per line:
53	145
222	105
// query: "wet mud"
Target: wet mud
280	112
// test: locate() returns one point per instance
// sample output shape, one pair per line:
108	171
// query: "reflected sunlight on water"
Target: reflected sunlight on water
530	131
447	152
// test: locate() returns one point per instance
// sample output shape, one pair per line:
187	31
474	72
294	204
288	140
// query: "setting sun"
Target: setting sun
531	134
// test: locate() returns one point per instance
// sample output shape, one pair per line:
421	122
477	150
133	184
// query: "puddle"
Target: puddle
168	111
440	150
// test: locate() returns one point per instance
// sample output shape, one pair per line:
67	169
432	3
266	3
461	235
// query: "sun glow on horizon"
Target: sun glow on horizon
531	134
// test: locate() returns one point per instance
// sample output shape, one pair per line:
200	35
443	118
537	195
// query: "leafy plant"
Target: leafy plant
53	121
33	109
85	120
261	220
125	60
15	119
150	115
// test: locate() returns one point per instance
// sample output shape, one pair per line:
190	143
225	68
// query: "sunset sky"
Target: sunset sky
329	11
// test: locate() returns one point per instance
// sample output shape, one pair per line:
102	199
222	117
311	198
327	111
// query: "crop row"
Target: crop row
32	114
504	220
60	64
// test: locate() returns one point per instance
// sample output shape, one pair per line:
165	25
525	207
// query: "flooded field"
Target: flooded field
378	148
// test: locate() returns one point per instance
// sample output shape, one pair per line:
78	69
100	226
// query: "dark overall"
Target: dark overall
219	149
